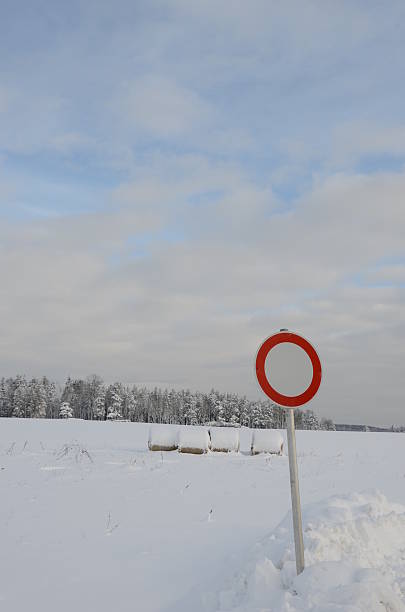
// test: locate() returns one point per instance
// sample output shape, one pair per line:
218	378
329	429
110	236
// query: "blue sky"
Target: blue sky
178	179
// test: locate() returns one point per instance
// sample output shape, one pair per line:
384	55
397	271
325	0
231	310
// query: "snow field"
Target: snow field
91	520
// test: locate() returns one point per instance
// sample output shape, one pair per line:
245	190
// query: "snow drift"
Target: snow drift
355	562
163	438
224	439
267	441
194	440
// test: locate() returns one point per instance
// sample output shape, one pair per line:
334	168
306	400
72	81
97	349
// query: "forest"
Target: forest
92	399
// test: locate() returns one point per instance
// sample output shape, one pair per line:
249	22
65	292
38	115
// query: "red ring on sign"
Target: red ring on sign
289	401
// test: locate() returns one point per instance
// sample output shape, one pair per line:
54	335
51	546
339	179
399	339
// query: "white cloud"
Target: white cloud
355	140
193	311
192	258
386	275
163	108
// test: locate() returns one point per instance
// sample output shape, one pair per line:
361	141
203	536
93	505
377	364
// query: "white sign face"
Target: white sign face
289	369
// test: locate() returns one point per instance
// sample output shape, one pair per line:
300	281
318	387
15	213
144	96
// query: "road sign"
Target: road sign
287	366
291	378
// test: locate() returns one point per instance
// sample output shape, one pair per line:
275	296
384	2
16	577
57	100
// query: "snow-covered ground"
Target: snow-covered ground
92	521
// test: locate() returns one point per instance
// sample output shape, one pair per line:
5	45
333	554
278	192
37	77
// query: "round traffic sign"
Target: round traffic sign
282	363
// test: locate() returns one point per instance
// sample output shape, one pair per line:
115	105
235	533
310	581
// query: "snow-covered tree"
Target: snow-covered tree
20	398
91	392
99	405
212	406
66	411
221	417
245	412
235	416
4	404
113	414
90	399
232	412
51	397
310	420
190	410
267	415
37	399
68	391
115	398
256	415
328	425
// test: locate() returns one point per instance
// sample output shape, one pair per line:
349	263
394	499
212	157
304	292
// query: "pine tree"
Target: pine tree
233	414
310	420
68	391
328	425
245	413
39	400
91	392
256	415
220	417
4	403
267	415
165	407
90	399
190	412
20	398
99	411
129	404
51	398
115	398
66	411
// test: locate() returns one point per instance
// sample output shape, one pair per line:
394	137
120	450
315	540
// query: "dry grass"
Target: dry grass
160	447
280	452
225	450
192	451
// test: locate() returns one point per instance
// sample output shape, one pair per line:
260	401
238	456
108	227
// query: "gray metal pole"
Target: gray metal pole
295	492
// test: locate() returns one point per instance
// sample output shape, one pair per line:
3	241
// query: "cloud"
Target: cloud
183	179
229	79
162	108
192	311
385	275
356	141
4	100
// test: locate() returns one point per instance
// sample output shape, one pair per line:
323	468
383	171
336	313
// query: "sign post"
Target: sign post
295	493
287	373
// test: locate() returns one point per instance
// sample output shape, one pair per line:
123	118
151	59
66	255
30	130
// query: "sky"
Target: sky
179	180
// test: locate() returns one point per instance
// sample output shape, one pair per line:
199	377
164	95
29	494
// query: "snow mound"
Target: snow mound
267	441
163	438
355	562
193	440
225	439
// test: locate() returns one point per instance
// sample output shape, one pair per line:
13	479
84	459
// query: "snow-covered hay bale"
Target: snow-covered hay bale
193	440
267	441
224	439
163	438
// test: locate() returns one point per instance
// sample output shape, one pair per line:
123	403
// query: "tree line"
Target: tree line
92	399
